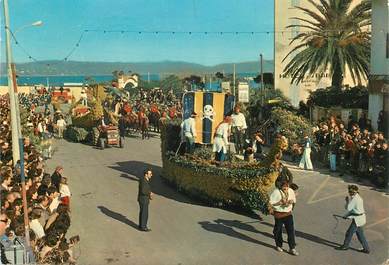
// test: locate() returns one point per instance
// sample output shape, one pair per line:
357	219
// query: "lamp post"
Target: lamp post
17	138
34	24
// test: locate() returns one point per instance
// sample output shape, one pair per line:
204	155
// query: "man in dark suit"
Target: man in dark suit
144	197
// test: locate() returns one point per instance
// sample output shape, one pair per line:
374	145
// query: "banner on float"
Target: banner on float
211	107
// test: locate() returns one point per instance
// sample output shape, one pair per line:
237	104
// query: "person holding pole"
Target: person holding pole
356	212
188	133
220	142
239	127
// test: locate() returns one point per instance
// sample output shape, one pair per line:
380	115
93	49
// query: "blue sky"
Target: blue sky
65	20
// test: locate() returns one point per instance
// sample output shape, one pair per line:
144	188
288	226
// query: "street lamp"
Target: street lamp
35	24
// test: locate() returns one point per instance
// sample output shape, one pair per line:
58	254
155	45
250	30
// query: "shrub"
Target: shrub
76	134
292	126
355	97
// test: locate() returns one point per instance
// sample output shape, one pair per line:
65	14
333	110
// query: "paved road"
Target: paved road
105	214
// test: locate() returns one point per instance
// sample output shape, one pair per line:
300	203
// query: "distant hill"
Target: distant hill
76	68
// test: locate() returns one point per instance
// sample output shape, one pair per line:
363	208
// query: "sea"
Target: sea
59	80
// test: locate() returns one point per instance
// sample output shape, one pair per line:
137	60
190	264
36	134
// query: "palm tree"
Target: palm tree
335	37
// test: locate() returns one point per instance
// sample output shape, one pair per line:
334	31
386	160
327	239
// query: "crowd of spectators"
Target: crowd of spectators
48	196
353	148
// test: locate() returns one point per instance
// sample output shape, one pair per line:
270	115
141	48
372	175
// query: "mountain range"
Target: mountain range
78	68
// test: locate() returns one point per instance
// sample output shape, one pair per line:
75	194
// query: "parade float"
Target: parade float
229	184
85	121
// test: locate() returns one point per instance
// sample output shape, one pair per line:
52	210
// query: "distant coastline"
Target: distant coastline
59	80
164	68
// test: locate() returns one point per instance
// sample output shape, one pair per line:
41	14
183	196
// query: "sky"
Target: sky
65	20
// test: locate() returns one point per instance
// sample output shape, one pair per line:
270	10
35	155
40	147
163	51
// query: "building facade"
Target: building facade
284	11
379	78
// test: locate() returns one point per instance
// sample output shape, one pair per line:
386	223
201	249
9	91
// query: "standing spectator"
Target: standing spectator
61	125
356	212
144	197
305	161
334	147
239	127
282	200
56	177
381	121
64	191
188	133
362	121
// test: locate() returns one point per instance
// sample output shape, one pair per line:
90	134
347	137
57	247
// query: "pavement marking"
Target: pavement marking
377	223
312	199
318	189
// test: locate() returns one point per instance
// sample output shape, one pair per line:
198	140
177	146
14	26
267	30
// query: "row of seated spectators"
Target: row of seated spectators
48	201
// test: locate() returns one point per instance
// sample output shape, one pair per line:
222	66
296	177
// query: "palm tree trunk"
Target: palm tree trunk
337	77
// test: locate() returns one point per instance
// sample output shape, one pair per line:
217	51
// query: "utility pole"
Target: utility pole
234	81
12	90
17	140
262	84
261	61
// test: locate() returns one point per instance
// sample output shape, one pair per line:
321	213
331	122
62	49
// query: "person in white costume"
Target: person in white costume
220	141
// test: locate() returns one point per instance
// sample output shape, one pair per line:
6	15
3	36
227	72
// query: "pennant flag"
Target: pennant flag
211	107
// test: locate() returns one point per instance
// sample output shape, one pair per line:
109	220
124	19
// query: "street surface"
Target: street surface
104	212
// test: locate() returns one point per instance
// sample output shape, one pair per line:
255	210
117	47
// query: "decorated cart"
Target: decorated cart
233	183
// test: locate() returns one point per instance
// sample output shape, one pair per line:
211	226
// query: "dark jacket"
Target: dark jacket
56	179
144	190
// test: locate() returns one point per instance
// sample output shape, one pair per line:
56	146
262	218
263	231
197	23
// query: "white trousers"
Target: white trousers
305	161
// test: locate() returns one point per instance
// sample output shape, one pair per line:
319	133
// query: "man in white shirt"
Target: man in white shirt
188	132
220	141
282	201
239	127
356	212
61	124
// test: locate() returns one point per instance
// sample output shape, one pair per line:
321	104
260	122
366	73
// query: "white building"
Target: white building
379	78
284	11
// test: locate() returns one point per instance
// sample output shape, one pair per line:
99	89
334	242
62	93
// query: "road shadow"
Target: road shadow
131	170
243	226
118	216
220	228
310	237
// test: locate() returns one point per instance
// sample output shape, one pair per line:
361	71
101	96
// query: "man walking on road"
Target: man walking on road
282	200
356	212
144	197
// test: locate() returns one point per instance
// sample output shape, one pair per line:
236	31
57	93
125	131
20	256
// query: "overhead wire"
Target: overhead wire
154	32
